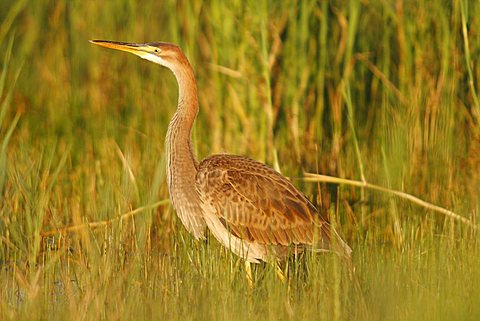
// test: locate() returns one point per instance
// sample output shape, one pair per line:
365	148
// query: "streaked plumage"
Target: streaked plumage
249	207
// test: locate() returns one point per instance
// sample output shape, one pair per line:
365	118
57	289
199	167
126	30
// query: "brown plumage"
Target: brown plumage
249	207
257	204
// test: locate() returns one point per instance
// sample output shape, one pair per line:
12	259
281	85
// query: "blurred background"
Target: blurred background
382	91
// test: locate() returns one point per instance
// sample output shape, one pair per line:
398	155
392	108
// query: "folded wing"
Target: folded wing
258	204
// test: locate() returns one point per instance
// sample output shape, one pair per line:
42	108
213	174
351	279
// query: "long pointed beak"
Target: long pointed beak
135	48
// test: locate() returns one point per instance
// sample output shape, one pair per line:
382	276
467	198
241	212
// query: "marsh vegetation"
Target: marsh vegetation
381	91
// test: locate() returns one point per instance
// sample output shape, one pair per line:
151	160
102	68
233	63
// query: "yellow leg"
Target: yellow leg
280	273
281	276
248	270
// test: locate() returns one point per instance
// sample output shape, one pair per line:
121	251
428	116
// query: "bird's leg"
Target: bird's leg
280	273
248	270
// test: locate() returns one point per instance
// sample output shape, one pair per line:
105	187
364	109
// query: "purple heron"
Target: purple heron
250	208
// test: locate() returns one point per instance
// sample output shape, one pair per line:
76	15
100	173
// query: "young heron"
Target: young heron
250	208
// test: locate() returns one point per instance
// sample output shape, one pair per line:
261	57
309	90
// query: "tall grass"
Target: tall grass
381	91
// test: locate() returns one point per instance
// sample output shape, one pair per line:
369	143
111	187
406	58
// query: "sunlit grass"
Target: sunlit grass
381	91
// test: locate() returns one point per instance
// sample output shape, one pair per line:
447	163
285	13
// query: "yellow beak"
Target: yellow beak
135	48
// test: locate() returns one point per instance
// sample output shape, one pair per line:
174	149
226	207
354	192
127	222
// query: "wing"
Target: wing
258	204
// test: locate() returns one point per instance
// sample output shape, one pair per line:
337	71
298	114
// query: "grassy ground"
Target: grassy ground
380	90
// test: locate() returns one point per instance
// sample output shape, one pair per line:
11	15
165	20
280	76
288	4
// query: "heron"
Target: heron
250	208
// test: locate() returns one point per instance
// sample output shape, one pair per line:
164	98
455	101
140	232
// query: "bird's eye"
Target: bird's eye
157	51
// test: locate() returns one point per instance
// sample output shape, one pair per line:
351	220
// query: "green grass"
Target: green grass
384	90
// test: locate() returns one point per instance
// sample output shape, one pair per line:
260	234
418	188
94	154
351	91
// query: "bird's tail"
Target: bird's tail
330	241
339	245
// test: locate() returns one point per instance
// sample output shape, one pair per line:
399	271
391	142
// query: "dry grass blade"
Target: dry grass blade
380	75
310	177
98	224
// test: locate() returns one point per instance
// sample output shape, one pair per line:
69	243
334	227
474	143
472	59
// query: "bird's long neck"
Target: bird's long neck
182	164
179	143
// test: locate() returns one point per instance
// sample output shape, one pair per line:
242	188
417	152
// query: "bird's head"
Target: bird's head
162	53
